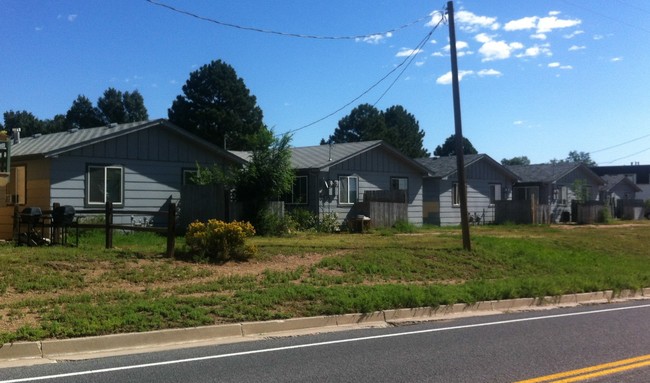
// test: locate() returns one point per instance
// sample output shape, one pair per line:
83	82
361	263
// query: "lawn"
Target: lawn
64	292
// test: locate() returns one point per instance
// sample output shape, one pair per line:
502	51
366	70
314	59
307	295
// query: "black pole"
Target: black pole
460	160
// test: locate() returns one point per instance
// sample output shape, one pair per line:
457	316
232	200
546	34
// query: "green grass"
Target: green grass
63	292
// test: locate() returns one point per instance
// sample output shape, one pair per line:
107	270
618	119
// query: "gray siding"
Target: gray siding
439	209
374	170
153	161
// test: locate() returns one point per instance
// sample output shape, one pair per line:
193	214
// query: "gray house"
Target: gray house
136	166
336	178
554	187
487	182
619	193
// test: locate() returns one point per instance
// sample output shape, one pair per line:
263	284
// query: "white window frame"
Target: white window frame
495	193
402	183
455	194
90	200
348	198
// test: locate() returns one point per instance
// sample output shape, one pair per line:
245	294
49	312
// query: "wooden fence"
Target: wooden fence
46	223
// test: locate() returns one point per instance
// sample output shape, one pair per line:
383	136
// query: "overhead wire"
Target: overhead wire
607	17
628	156
411	58
281	33
621	144
406	60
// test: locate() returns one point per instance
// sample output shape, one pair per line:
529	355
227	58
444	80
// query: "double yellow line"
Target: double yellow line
594	371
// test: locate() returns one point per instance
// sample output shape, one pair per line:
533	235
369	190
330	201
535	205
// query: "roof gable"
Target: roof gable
612	181
443	167
549	173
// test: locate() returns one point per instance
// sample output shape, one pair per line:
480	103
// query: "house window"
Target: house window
495	193
455	194
298	194
564	195
105	184
189	176
399	183
348	190
17	186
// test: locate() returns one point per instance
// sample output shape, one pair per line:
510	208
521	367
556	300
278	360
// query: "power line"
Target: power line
617	145
407	59
607	17
286	34
628	156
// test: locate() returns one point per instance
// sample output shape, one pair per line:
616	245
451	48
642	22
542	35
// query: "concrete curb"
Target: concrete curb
89	347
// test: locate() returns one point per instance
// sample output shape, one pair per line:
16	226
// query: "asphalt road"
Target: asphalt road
604	343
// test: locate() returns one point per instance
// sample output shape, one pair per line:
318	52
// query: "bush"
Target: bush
220	241
303	219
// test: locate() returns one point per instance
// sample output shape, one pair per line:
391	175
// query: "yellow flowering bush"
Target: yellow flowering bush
220	241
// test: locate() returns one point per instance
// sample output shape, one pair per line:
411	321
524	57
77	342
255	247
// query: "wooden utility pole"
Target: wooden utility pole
460	161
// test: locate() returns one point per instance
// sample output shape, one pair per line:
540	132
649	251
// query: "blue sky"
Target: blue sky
539	78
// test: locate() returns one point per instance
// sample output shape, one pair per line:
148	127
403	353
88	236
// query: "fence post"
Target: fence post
171	229
109	225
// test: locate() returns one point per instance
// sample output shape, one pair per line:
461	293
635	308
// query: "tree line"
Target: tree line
112	106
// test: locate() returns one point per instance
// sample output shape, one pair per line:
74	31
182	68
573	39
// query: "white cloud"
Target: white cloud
405	52
536	50
469	22
573	34
437	54
541	24
489	72
72	18
547	24
375	39
577	48
498	50
433	42
38	29
446	78
598	37
483	38
554	65
435	19
566	67
554	13
518	122
521	24
615	59
538	36
419	63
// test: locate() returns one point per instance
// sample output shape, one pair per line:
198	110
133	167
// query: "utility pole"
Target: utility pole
460	160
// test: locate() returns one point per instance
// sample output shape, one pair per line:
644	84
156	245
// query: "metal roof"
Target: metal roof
549	173
53	144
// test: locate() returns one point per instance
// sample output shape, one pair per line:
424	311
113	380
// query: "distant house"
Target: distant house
554	186
140	166
619	192
337	178
638	174
487	182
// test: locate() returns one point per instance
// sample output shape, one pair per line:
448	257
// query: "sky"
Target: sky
538	78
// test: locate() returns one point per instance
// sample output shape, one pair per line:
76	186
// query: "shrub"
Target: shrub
329	223
304	219
220	241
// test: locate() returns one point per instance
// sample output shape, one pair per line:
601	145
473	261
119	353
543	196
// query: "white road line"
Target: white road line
360	339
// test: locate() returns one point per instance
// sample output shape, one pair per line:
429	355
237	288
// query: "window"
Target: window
188	176
495	193
455	194
348	190
104	184
399	183
298	191
17	186
564	195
